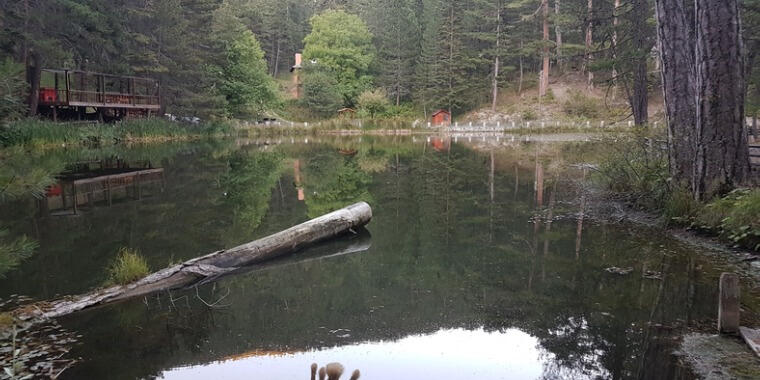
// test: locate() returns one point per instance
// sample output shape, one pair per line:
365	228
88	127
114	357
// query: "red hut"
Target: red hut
441	117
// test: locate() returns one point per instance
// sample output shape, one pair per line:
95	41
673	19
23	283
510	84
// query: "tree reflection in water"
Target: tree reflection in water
455	244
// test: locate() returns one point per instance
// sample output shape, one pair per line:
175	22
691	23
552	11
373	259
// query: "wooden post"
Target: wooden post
74	196
728	304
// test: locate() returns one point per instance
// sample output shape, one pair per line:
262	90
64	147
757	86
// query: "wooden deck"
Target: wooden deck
74	193
61	92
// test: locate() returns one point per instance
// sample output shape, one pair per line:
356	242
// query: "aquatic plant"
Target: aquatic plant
128	267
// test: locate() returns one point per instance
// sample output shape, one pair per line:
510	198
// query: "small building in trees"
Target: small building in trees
441	117
346	113
82	95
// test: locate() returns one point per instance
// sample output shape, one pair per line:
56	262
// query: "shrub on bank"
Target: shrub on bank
734	217
635	171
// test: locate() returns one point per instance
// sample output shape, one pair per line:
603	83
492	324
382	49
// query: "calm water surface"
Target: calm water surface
478	264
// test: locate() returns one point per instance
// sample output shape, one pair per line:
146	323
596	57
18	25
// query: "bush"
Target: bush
734	217
636	170
681	207
320	93
12	90
582	106
128	267
529	115
374	102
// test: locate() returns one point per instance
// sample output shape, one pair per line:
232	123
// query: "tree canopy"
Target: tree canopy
341	44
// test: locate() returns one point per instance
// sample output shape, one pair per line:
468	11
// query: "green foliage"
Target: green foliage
680	206
14	252
249	184
13	87
21	175
129	266
635	169
243	76
374	102
333	183
341	45
734	217
321	94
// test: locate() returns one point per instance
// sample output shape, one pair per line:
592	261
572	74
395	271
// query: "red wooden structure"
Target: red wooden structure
74	94
441	117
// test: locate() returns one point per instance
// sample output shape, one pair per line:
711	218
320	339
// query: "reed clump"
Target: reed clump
36	133
129	266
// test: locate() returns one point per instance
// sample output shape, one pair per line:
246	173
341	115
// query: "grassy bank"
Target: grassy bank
634	169
38	133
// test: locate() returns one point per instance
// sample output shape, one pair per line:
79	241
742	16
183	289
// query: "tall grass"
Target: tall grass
634	169
37	133
735	217
128	267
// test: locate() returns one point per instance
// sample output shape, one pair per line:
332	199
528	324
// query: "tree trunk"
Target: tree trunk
451	58
212	265
640	100
277	60
589	42
545	69
398	65
722	155
34	73
675	41
615	23
520	83
558	33
496	63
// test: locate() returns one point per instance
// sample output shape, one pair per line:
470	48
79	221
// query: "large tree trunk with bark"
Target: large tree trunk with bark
213	265
675	40
722	154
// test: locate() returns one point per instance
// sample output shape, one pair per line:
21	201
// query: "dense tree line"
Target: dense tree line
206	57
432	54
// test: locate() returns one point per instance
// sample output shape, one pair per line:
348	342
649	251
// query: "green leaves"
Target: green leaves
341	45
12	90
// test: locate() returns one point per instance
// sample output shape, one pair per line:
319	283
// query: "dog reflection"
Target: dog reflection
332	371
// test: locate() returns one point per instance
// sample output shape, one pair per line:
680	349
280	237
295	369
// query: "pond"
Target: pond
480	262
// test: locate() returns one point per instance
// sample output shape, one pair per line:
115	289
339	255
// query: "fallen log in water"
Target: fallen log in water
212	265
